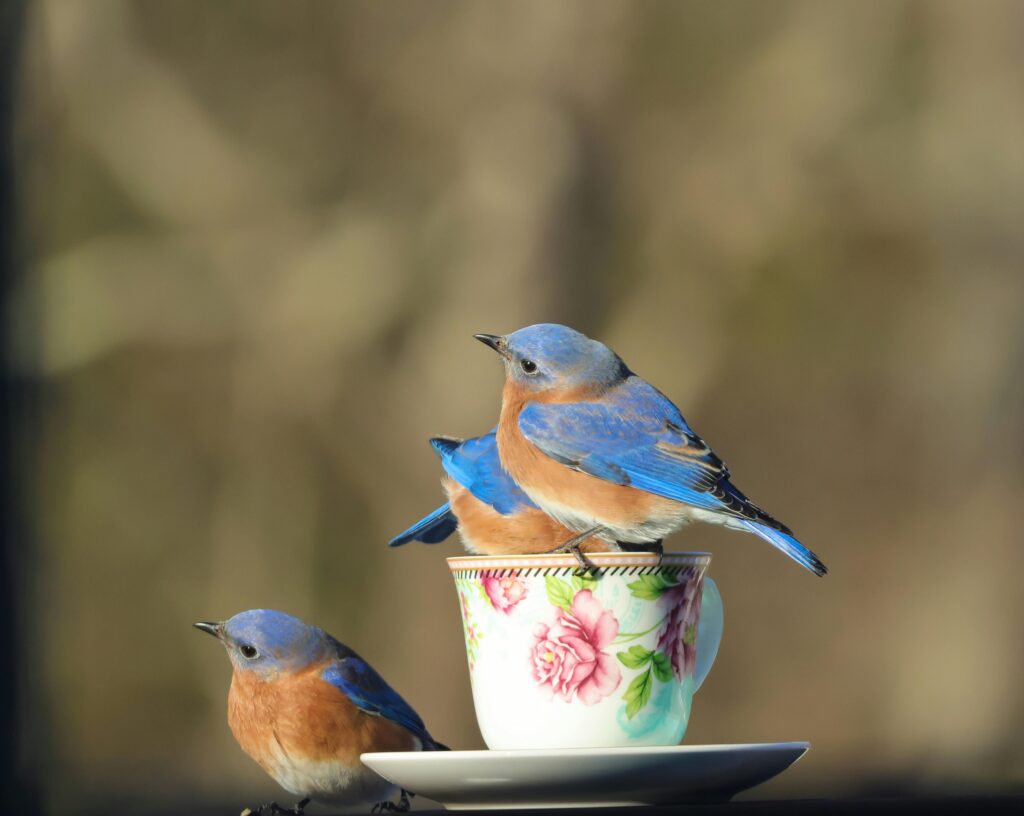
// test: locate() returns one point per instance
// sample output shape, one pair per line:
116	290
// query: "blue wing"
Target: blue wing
476	466
635	436
433	529
357	680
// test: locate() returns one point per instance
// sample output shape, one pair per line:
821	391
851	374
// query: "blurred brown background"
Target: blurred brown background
254	241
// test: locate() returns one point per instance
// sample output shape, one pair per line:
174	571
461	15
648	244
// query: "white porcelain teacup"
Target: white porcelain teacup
559	661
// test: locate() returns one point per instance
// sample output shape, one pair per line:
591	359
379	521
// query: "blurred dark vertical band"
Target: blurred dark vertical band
15	779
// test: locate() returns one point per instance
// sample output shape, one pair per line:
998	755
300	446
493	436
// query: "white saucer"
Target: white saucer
591	777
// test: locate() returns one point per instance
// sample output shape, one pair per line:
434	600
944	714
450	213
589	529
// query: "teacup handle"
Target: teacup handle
709	630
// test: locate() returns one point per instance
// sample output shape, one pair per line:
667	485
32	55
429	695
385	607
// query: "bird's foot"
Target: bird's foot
274	809
266	809
401	806
584	568
659	548
645	546
572	546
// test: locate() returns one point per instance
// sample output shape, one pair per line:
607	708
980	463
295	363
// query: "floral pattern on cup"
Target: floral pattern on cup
564	661
504	593
675	654
469	628
678	638
568	655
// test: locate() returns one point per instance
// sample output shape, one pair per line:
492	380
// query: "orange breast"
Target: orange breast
530	531
546	480
305	717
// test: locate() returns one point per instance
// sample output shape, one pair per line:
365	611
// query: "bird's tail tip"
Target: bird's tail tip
432	529
445	445
790	546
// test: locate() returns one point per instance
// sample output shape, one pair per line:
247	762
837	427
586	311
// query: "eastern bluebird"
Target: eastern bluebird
607	454
305	706
492	514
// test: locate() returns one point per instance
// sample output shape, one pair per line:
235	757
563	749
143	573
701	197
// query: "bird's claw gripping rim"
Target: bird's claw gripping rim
584	568
652	547
572	546
274	809
401	806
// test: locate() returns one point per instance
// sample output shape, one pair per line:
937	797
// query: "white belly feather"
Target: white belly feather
654	528
329	781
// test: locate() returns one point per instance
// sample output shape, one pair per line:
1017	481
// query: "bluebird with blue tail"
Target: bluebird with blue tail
605	453
490	511
305	706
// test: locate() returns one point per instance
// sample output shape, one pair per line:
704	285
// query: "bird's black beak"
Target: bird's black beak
210	628
495	341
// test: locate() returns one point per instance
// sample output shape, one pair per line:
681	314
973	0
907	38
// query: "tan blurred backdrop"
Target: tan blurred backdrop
259	236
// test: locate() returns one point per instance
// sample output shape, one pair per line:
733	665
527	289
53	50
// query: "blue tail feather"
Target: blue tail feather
445	445
433	529
789	545
446	448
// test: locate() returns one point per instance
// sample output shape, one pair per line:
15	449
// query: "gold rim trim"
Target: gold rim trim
478	563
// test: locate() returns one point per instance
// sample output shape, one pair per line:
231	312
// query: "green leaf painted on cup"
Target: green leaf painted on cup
482	591
638	693
559	592
650	587
662	667
635	657
690	634
584	582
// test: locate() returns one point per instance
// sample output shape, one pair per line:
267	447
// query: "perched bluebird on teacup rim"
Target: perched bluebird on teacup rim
490	511
305	706
605	453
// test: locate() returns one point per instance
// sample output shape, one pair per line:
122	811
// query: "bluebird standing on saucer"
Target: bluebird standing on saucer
492	514
605	453
305	706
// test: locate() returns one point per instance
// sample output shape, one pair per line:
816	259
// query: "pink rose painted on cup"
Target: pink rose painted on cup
569	657
503	593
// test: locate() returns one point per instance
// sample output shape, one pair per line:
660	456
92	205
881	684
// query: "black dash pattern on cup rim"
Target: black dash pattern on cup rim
604	564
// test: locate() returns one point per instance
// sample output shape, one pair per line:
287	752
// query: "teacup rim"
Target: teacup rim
543	561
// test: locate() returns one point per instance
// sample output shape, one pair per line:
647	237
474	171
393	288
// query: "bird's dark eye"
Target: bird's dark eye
248	652
529	366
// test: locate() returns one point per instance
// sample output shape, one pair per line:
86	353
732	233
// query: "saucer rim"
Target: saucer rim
531	779
541	753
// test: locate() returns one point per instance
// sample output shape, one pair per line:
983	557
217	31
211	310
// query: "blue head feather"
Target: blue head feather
549	355
282	643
